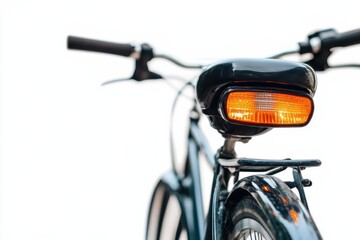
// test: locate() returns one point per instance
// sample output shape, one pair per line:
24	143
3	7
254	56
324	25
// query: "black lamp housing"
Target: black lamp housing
250	74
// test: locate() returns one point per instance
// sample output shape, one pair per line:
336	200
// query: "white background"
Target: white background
79	161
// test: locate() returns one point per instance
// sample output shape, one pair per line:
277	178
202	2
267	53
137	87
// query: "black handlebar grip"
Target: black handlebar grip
343	39
93	45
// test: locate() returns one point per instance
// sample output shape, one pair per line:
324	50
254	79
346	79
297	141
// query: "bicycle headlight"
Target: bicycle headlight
263	108
249	97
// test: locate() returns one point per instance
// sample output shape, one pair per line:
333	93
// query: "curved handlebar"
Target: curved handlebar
320	44
143	54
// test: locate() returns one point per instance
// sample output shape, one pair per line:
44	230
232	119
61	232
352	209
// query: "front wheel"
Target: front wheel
169	212
164	216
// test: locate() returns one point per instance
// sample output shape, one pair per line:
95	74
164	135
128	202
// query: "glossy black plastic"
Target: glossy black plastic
257	74
280	205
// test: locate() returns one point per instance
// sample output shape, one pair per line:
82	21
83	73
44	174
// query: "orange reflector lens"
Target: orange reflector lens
268	108
294	215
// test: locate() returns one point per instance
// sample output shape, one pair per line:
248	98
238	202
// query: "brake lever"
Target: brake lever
142	71
318	48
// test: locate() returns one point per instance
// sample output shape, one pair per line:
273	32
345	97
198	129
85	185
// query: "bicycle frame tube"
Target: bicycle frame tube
197	143
186	187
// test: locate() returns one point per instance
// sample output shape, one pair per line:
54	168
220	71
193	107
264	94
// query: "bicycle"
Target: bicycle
241	98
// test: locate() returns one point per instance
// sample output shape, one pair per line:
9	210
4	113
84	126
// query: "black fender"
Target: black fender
286	216
170	185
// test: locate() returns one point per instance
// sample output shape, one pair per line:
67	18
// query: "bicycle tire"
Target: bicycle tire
166	216
247	221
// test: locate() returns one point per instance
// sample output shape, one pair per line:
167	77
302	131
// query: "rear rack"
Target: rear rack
263	165
273	166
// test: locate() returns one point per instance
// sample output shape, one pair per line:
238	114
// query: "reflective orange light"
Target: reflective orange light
265	188
268	108
284	200
294	215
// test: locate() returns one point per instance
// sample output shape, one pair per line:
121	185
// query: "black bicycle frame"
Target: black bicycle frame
196	143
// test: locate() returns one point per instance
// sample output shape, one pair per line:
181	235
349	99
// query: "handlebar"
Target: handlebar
143	54
80	43
348	38
328	39
320	44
